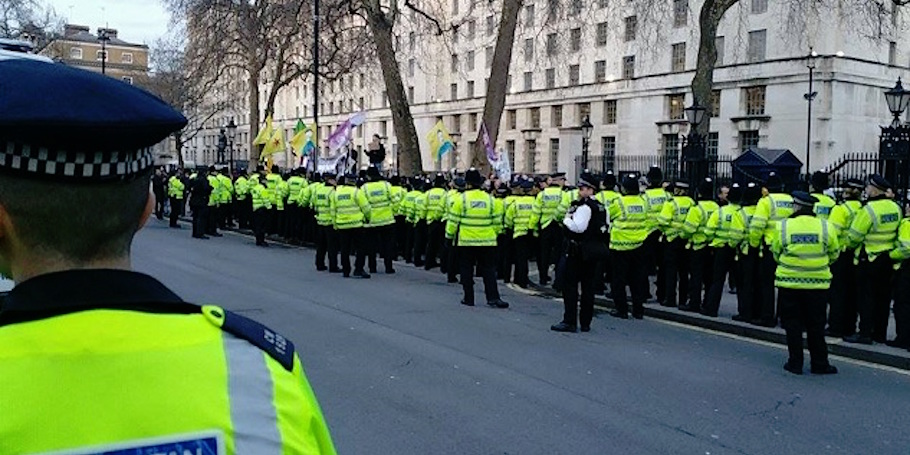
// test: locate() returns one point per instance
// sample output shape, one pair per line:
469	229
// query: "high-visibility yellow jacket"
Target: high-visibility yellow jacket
804	247
156	376
397	196
450	199
473	221
379	195
350	208
770	210
321	202
284	190
295	183
242	188
408	205
655	198
215	195
901	251
842	216
419	209
273	181
227	189
261	197
875	227
568	196
175	187
304	193
747	213
725	227
436	204
518	216
694	228
546	207
607	198
629	230
824	205
673	215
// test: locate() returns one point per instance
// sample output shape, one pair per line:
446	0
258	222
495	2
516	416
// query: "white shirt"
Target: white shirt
578	222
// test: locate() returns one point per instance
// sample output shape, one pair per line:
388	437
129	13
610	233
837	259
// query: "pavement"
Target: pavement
400	367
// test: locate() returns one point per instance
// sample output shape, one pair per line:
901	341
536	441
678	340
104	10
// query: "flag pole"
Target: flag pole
316	85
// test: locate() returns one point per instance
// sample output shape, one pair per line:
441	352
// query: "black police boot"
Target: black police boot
827	369
563	327
466	303
498	303
620	314
793	368
858	339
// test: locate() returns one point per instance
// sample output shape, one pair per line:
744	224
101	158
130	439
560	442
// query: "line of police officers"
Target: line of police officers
689	241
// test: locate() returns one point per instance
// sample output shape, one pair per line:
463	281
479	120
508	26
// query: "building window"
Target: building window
529	49
600	71
575	39
512	119
676	105
554	154
715	103
759	6
510	150
531	162
576	7
757	42
556	116
472	29
601	38
680	12
385	99
678	58
892	53
455	7
582	110
719	47
755	100
454	63
713	141
469	62
535	117
411	65
491	25
412	41
628	67
101	55
608	149
529	15
127	79
456	123
552	10
472	122
126	58
488	54
453	90
603	3
76	53
470	89
610	112
552	45
671	146
360	103
631	28
574	75
529	81
551	78
748	140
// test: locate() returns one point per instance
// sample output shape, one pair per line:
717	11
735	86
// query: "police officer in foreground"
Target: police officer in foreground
585	223
628	233
152	367
804	247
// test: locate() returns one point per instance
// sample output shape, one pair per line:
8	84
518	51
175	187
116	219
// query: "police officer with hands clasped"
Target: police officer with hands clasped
97	358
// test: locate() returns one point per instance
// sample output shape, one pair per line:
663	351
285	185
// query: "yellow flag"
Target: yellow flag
440	141
265	133
275	143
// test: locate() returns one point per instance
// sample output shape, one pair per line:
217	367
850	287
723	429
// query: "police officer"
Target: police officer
213	214
771	209
262	203
518	220
473	227
873	232
676	256
628	233
380	230
819	181
725	229
350	210
804	247
701	259
656	195
844	287
586	222
748	261
436	228
452	265
200	194
545	220
326	237
175	190
67	392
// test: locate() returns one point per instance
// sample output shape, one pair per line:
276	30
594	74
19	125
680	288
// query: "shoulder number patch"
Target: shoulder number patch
278	347
206	443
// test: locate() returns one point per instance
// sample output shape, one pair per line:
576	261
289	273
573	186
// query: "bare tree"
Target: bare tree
28	19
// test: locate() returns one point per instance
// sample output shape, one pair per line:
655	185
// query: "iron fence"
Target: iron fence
719	168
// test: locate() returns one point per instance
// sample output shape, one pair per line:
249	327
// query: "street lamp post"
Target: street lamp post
586	129
694	149
894	143
104	38
809	96
231	136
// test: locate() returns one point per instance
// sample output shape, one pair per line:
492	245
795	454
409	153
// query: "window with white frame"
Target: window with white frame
676	106
76	53
529	49
469	61
600	71
551	78
529	15
631	30
556	116
757	45
126	58
680	12
610	112
552	45
719	46
678	58
628	67
575	40
528	81
755	100
574	75
470	89
759	6
554	154
601	38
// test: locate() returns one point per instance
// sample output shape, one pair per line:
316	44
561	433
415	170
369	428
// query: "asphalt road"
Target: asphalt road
401	368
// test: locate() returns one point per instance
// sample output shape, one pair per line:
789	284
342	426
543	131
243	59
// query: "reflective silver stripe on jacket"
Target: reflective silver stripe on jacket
251	393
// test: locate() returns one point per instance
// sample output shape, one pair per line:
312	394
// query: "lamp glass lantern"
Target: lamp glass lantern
812	59
897	98
231	130
695	114
587	128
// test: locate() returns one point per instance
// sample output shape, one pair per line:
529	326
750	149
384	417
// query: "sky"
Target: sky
136	21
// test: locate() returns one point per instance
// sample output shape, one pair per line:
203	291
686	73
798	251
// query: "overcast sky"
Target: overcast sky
137	21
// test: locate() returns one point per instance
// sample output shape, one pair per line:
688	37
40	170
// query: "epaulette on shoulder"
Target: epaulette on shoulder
275	345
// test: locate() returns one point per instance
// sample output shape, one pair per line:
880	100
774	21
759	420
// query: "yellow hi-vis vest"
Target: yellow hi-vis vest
804	248
770	210
824	205
261	197
875	227
321	201
379	195
630	229
726	227
518	216
546	207
474	220
175	187
350	208
673	215
695	225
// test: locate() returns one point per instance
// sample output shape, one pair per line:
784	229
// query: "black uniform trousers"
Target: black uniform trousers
199	220
676	272
630	269
453	264
804	310
902	305
844	295
724	265
420	242
380	240
211	220
348	240
260	220
484	257
401	235
409	237
436	234
701	265
875	296
747	301
583	273
160	198
326	243
655	248
520	247
176	211
550	250
504	256
767	270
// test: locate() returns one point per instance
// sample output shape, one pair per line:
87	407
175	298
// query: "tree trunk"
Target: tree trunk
499	80
703	82
254	118
409	157
178	143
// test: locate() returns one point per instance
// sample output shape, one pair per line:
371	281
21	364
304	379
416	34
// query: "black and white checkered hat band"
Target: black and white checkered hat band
78	165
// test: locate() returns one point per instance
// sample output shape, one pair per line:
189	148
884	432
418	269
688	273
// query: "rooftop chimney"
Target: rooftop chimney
73	29
111	32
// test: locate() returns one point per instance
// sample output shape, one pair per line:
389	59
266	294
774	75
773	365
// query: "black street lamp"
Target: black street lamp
231	136
894	143
694	147
811	61
586	129
221	147
104	38
897	99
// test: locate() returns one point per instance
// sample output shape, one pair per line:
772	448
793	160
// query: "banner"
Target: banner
503	166
304	141
440	141
488	144
265	133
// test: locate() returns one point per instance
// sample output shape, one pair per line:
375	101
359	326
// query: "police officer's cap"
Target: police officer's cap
736	193
681	184
587	180
855	184
373	173
527	184
774	182
460	183
819	181
879	182
803	198
630	183
609	180
440	180
62	123
473	177
655	174
558	175
706	188
751	194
